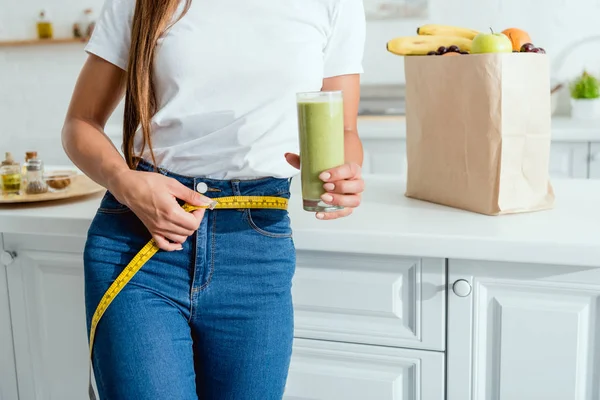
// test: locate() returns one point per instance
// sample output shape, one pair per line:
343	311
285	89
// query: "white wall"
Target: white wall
36	82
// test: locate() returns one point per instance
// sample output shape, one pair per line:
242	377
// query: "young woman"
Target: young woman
209	91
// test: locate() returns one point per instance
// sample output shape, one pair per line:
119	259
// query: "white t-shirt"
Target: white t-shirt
226	77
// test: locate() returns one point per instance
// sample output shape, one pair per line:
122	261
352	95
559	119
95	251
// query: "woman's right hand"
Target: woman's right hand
153	198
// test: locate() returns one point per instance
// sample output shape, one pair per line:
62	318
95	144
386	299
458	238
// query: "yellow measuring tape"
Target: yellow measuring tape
232	202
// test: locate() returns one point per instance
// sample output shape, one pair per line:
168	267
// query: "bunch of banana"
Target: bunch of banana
421	44
445	30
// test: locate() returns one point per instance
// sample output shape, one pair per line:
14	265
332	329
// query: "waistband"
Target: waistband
218	188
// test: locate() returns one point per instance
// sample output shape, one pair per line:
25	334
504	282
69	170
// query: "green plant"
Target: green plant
585	87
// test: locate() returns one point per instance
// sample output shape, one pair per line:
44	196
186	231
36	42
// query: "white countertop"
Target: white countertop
389	223
564	129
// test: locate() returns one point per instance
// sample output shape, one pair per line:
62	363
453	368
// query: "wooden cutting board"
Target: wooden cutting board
80	185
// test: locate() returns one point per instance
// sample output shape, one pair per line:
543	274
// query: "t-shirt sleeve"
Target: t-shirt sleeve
111	38
345	48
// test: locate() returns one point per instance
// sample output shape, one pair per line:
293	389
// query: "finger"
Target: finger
175	238
345	187
345	171
171	228
190	196
199	215
164	244
178	220
335	214
344	200
293	160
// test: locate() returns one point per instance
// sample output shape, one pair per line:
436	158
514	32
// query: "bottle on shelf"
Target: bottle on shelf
10	175
45	28
84	28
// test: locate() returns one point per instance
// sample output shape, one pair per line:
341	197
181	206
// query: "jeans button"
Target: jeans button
201	187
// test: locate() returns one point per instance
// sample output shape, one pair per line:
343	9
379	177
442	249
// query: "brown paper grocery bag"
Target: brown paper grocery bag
478	131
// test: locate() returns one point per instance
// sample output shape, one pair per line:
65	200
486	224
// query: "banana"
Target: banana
421	45
445	30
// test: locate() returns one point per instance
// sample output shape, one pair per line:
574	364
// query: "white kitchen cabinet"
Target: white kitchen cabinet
569	160
340	371
48	317
384	156
522	331
391	301
8	375
595	161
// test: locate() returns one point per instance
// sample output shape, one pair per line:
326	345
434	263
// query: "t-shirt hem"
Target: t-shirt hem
101	52
340	72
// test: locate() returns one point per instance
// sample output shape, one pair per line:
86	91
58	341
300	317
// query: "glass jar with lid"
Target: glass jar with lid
10	173
35	177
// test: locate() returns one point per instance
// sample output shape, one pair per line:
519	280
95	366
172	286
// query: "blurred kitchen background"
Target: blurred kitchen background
36	80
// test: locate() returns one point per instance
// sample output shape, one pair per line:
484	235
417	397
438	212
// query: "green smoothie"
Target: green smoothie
321	134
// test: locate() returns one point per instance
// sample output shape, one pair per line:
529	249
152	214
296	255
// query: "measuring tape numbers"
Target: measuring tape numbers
150	249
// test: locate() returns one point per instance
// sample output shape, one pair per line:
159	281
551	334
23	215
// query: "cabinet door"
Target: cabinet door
385	156
521	332
595	161
339	371
48	315
370	299
8	369
568	160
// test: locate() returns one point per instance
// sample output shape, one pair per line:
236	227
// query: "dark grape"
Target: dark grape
527	47
454	49
542	50
535	50
464	52
432	53
442	50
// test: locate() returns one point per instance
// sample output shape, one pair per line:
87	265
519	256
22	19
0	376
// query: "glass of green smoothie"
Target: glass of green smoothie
321	134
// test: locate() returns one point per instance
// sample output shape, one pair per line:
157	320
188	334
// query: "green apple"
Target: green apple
491	43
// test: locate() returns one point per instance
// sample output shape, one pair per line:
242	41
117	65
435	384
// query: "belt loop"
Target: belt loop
235	186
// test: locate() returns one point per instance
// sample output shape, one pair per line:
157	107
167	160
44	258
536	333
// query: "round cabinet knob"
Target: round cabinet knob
462	288
7	258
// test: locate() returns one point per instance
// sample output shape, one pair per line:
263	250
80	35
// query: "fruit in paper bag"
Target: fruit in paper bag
518	37
491	43
446	30
422	45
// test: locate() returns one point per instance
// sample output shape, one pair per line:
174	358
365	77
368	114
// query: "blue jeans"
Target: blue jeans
211	322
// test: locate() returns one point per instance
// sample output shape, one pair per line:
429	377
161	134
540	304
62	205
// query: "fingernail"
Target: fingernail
329	187
179	249
325	176
327	198
209	202
320	215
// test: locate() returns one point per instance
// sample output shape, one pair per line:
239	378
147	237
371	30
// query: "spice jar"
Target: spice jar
35	177
29	155
10	174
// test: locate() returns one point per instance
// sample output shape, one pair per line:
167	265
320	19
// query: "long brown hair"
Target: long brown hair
150	21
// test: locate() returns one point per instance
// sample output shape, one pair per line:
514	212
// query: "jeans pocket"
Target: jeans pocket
110	205
269	222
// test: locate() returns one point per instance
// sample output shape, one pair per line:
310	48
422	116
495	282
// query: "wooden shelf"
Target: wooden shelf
40	42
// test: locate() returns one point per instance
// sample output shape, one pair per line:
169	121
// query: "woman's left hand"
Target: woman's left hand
343	186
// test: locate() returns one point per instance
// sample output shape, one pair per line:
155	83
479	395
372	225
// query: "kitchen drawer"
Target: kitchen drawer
370	299
341	371
594	161
384	156
568	160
